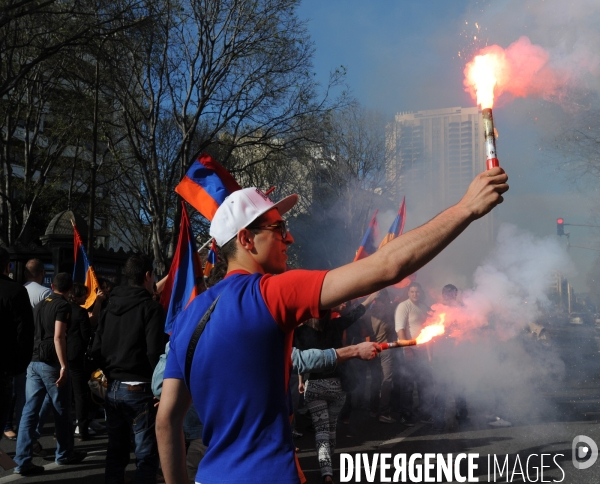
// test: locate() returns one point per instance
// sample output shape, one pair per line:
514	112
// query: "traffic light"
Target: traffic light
560	227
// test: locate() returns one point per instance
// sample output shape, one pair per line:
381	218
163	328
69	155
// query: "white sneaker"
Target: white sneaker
498	423
91	431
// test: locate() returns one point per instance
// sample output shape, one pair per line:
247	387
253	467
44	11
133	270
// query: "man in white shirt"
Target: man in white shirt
416	368
35	273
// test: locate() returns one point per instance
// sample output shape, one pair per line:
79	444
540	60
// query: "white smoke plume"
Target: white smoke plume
502	370
511	287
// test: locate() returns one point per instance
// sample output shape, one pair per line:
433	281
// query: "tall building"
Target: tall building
437	153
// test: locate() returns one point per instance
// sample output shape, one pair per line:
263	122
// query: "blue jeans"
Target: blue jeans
130	408
41	381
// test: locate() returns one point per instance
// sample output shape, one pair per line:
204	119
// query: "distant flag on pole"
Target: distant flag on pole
367	246
397	225
211	258
180	286
83	272
396	230
205	185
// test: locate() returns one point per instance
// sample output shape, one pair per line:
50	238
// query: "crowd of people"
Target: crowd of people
231	351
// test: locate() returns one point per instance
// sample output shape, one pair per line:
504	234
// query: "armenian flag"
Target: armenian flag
180	287
397	225
83	272
211	258
205	185
367	246
395	230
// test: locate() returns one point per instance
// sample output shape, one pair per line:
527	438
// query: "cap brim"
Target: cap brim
286	204
282	206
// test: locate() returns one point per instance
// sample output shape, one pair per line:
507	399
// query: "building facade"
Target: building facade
438	153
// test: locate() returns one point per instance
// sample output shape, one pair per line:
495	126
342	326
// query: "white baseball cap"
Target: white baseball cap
240	209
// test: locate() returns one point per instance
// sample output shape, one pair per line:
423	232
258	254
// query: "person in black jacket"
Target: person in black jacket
16	333
78	336
128	344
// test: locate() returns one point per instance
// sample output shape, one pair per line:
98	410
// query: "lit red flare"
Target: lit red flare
431	331
398	344
481	78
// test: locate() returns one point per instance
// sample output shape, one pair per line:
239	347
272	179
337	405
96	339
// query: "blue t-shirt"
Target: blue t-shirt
240	372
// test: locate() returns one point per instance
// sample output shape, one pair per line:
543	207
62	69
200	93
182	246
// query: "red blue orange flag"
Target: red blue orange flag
205	185
367	246
211	258
180	287
397	225
83	272
395	230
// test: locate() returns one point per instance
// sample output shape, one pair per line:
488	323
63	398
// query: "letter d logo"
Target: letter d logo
590	451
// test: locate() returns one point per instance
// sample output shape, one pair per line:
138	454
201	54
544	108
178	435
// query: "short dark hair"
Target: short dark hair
62	282
78	290
4	258
136	267
229	249
34	268
449	288
415	284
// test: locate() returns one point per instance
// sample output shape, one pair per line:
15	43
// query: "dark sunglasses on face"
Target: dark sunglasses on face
281	225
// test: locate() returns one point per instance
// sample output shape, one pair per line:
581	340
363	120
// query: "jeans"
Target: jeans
130	408
41	381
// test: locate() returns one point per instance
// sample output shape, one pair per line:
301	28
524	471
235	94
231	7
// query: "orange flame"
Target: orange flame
481	76
429	332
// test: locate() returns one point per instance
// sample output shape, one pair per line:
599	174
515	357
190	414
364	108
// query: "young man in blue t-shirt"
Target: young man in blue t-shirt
241	366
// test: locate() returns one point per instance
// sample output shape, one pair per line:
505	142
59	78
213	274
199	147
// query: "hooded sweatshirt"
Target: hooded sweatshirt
130	336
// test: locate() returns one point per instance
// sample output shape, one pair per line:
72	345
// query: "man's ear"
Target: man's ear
245	237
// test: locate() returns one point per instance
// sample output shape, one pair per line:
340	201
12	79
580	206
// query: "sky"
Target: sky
410	55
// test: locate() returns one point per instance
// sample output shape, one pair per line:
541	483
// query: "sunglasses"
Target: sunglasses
281	225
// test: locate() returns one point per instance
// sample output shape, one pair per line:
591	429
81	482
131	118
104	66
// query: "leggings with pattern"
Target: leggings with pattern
325	399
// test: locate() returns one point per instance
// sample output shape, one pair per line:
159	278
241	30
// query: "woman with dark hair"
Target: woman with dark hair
78	335
323	393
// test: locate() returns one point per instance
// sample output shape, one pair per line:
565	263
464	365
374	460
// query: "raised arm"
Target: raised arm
411	251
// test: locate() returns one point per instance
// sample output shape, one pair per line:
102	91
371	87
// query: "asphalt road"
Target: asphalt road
577	404
537	441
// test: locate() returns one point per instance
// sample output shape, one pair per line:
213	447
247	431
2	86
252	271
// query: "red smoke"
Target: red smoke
521	70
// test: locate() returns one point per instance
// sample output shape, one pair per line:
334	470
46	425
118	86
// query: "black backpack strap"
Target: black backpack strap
189	356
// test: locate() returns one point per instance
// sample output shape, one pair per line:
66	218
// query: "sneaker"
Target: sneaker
297	434
75	458
386	419
499	423
373	414
426	420
38	450
408	421
90	431
10	435
94	424
29	470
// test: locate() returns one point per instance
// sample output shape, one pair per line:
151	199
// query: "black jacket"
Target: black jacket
130	336
16	327
78	334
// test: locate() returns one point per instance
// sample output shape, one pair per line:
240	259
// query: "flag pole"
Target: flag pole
205	244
